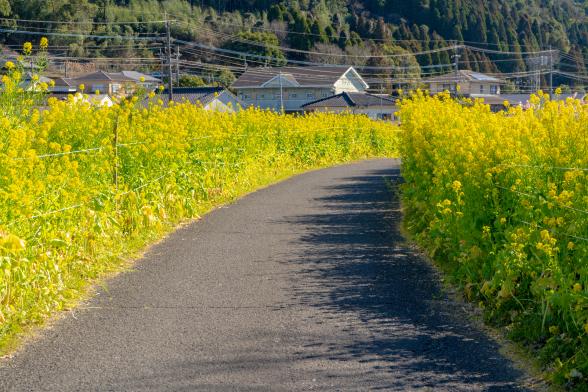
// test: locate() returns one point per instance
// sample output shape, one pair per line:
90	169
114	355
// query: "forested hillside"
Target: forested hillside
360	32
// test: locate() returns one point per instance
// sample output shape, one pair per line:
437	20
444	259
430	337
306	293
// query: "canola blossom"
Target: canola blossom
500	200
82	188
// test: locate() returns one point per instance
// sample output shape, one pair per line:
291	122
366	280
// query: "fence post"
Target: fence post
115	147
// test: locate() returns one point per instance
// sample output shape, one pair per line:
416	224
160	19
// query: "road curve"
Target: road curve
305	285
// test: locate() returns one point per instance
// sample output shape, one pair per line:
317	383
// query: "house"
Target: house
211	98
92	99
63	85
471	84
377	107
289	88
523	99
114	83
148	82
95	99
32	82
105	82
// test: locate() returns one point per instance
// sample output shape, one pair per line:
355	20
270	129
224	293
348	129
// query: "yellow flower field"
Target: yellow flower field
501	201
83	188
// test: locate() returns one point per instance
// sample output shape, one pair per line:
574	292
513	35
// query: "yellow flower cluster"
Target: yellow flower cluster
85	185
519	179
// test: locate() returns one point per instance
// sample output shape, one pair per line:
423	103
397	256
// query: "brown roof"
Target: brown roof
300	76
67	82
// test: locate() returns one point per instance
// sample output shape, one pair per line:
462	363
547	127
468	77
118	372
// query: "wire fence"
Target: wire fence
543	199
214	164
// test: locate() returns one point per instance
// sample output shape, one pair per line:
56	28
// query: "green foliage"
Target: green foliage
510	25
263	44
499	201
191	81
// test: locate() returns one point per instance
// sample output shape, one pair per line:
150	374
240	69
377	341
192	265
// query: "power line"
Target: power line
80	35
83	22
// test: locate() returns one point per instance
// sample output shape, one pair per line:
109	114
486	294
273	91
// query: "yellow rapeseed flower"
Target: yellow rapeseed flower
27	48
44	44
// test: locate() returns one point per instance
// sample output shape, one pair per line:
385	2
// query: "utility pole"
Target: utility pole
161	64
550	70
170	82
177	65
456	56
281	95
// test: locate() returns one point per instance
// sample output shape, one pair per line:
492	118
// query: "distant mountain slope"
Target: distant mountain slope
331	31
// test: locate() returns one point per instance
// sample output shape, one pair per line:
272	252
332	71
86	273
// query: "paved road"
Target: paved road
306	285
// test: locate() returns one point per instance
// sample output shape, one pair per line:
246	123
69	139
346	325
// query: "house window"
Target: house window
494	89
481	89
310	95
293	95
325	95
115	88
245	96
100	87
449	87
261	96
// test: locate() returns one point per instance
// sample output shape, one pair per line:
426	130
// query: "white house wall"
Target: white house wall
465	87
219	106
349	83
293	97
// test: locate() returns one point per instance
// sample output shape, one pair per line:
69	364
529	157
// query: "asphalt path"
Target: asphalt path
305	285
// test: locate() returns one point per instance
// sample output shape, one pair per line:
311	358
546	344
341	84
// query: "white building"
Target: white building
471	84
292	87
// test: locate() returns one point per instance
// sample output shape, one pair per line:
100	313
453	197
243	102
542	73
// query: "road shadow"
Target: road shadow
356	267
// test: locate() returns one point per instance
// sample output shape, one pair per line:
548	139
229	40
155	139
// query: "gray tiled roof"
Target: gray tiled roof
193	95
67	82
101	75
304	76
464	76
350	100
136	76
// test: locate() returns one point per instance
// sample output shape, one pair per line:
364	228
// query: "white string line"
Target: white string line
57	211
552	231
144	185
538	197
58	154
245	134
81	204
546	167
223	164
146	142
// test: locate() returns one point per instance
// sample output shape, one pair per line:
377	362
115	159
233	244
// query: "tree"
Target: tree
226	78
5	8
300	34
261	46
191	81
